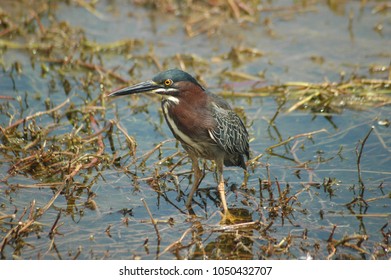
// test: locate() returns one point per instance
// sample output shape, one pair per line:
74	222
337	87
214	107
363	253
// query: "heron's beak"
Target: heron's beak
148	86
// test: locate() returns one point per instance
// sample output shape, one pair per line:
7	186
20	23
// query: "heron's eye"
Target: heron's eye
168	82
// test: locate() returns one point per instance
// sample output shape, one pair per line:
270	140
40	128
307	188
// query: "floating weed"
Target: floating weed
57	159
326	98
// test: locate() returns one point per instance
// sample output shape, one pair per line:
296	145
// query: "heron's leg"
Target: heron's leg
221	186
197	180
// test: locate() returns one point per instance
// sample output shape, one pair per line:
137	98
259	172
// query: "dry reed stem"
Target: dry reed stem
308	134
177	242
154	223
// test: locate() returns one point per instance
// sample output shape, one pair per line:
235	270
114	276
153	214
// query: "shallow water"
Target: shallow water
312	43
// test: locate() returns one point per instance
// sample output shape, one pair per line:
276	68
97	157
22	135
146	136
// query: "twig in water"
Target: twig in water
129	140
309	134
53	229
152	219
331	234
51	201
360	197
178	242
157	147
359	154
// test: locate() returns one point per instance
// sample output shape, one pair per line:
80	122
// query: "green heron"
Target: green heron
203	122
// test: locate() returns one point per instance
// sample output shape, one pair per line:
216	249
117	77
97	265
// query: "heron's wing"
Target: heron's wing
230	133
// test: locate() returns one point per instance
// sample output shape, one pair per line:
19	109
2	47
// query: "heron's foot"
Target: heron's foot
227	218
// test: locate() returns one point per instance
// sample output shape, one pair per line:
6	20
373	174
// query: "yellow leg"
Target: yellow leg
221	190
196	183
221	187
227	218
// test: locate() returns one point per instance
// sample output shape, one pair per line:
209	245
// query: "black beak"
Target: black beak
148	86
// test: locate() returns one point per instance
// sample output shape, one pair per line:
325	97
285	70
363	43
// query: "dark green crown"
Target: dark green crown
175	75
